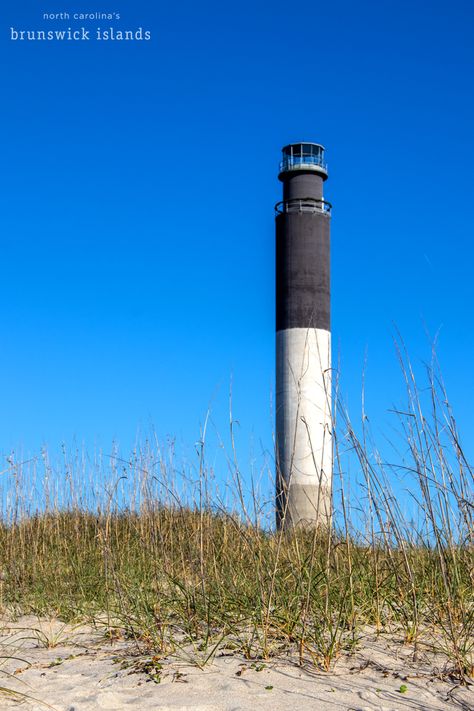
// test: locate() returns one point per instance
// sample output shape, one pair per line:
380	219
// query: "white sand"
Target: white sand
84	673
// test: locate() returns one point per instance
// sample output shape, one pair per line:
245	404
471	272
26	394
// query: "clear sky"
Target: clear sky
137	188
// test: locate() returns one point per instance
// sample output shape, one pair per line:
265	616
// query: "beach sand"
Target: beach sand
83	671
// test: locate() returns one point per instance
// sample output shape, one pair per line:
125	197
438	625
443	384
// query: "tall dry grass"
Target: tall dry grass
154	551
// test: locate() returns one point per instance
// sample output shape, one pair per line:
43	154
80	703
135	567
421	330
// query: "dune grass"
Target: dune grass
159	557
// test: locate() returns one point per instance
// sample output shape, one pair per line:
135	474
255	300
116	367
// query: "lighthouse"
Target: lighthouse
304	457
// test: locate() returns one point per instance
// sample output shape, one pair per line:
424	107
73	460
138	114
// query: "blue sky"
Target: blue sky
137	187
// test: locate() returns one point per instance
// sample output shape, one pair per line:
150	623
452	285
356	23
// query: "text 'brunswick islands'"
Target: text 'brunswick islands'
80	35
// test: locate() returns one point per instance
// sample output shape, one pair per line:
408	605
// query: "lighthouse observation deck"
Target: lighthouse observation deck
303	171
303	157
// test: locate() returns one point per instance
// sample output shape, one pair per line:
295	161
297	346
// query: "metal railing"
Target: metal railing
303	205
295	162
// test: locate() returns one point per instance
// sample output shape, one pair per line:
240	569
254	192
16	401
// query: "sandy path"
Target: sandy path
85	673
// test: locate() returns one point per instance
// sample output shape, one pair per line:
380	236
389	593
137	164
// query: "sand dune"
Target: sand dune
84	672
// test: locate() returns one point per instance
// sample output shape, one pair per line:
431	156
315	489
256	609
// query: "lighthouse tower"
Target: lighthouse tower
303	341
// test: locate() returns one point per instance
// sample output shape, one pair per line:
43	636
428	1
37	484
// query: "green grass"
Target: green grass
184	573
176	579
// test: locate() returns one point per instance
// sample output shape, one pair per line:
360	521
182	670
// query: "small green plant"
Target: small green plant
57	662
153	668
